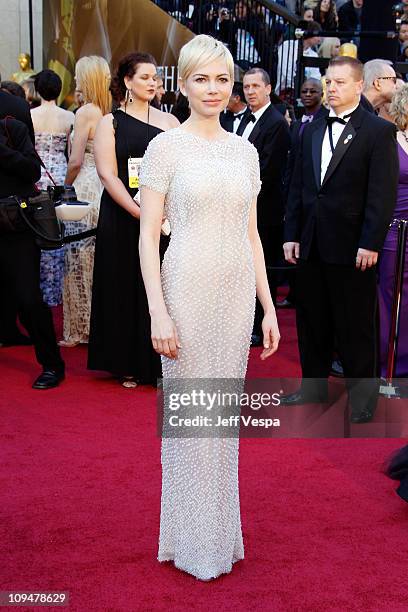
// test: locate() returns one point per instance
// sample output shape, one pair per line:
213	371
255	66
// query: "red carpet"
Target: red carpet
80	482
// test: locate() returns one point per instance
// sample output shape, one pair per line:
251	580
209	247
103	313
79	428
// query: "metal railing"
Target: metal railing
262	33
259	33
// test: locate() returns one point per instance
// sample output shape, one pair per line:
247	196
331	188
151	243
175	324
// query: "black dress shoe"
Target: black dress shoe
48	379
284	304
364	416
298	398
403	489
292	399
337	369
256	340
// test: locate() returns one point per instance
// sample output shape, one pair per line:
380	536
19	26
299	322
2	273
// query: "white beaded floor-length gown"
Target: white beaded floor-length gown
208	281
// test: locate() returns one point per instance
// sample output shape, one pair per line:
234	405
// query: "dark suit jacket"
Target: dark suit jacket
366	104
227	119
19	165
16	107
271	138
294	145
353	206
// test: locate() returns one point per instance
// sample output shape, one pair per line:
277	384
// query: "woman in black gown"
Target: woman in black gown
120	337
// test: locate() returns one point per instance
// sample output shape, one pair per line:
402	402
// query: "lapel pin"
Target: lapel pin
347	140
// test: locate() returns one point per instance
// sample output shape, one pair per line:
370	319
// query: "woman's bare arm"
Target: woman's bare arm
106	165
164	334
81	135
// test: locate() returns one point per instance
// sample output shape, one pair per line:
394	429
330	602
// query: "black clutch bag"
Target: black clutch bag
39	215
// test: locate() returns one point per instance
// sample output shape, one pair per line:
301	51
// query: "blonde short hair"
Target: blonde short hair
399	107
93	79
200	51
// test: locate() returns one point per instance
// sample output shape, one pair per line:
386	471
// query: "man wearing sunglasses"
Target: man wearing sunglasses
380	83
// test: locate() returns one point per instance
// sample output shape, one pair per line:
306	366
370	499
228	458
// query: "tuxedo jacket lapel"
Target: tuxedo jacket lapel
345	140
258	125
317	141
257	128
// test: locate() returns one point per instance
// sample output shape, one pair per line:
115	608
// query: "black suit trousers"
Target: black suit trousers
336	307
8	318
20	275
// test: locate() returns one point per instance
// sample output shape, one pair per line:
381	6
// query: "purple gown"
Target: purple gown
386	278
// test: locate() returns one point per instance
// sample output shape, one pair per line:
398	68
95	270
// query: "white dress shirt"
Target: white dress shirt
237	120
257	114
337	129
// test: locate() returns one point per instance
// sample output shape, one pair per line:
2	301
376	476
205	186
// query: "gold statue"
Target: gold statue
26	71
348	50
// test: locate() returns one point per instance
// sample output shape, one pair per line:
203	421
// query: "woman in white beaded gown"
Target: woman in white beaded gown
205	181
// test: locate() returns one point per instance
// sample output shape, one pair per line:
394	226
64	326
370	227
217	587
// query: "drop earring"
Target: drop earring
128	97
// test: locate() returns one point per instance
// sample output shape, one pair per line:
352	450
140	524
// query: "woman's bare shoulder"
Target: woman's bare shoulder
106	122
162	120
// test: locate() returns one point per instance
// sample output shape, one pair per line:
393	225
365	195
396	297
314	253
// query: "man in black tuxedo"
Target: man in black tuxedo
341	202
268	131
236	109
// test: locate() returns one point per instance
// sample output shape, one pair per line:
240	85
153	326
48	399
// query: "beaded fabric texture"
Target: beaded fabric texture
51	149
208	281
79	256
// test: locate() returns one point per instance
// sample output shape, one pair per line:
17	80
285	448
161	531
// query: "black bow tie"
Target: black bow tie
232	115
334	119
331	120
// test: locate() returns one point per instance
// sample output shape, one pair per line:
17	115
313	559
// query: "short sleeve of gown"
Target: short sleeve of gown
254	171
156	167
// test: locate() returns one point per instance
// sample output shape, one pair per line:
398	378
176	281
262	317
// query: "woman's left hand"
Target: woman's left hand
271	335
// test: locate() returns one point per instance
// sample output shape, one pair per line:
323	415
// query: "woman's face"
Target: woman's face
325	6
308	15
143	82
208	89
